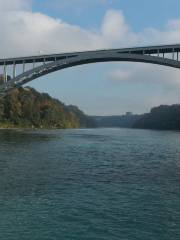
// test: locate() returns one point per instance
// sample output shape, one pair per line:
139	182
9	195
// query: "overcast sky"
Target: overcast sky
52	26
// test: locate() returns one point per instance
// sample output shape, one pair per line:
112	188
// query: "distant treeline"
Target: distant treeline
25	107
161	118
126	121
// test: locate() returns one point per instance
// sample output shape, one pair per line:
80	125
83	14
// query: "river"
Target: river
85	184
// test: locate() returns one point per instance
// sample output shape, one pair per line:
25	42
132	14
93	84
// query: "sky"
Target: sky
29	27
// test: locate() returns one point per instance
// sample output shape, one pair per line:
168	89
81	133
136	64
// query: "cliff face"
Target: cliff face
161	118
25	107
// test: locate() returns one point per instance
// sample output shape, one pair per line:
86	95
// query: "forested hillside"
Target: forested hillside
25	107
161	118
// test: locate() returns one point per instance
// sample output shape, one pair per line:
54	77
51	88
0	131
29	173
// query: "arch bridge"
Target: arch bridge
32	67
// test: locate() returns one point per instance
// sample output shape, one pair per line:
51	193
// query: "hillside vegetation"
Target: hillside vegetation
25	107
161	118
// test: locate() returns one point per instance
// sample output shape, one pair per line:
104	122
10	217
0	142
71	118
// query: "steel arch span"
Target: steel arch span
167	55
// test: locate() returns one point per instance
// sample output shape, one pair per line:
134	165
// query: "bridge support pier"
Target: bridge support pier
5	73
14	70
173	54
24	66
34	63
158	53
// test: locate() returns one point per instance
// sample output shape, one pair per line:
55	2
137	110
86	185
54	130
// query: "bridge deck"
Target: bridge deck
51	57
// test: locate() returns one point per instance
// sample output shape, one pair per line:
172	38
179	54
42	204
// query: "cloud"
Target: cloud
9	5
121	75
115	30
29	32
151	85
146	73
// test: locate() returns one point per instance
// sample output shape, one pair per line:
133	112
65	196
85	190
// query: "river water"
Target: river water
89	184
